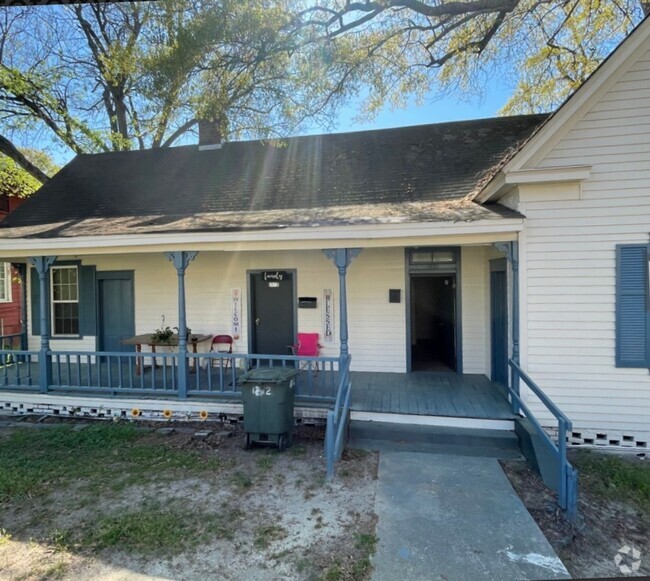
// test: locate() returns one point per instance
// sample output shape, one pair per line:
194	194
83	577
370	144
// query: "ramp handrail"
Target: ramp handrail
337	419
567	488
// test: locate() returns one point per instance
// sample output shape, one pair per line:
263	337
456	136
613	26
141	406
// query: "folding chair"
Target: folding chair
222	344
306	345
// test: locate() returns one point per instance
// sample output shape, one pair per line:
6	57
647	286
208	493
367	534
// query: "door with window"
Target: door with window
272	309
116	310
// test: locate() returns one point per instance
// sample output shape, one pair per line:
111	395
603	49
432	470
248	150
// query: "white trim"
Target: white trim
544	175
418	420
8	284
377	235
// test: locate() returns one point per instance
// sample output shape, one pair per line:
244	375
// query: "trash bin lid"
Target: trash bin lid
269	374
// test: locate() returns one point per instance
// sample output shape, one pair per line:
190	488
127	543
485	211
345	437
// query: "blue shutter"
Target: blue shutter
631	306
87	301
34	298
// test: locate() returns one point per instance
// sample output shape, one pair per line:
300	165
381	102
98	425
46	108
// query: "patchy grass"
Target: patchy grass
614	477
111	499
35	460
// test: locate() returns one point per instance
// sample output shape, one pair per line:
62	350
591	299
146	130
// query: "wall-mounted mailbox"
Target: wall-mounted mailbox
395	295
307	302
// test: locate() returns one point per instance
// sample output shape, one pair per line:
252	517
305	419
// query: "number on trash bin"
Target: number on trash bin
258	390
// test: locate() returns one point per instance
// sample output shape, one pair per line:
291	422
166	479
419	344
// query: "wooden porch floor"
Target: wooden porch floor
429	393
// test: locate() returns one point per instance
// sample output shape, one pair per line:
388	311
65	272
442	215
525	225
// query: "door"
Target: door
433	323
272	308
116	311
499	323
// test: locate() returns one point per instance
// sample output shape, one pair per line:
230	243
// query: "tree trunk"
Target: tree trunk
11	151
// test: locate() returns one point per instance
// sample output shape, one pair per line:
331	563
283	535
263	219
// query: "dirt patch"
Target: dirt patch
252	515
608	521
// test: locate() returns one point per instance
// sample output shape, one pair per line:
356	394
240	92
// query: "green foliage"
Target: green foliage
614	477
15	181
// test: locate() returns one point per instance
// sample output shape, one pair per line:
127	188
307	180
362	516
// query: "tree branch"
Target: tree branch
11	151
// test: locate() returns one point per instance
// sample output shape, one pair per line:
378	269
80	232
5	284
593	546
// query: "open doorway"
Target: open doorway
433	322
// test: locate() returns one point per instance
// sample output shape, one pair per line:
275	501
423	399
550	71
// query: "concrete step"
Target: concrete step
385	436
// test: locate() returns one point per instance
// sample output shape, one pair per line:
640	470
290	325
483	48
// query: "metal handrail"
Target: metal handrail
567	488
337	419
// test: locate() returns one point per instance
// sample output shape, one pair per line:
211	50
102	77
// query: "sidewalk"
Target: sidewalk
455	518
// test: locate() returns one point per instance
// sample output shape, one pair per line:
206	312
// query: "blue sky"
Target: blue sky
434	110
452	107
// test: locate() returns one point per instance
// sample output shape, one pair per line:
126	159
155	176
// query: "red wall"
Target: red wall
10	312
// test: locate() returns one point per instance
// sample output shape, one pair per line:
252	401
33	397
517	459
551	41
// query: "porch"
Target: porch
214	377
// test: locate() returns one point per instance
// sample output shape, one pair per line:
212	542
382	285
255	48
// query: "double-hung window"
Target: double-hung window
632	306
5	282
65	300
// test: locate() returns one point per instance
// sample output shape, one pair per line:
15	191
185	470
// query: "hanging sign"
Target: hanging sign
328	315
235	295
275	275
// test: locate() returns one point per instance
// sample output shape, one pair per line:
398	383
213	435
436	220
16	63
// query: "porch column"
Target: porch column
42	265
181	261
342	257
511	250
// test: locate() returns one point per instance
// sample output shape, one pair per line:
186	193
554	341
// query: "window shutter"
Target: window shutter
87	301
34	298
631	306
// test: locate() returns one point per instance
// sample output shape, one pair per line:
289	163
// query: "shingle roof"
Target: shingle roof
420	173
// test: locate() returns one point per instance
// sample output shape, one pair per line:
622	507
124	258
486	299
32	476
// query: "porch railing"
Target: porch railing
567	485
114	372
17	369
219	373
338	419
129	373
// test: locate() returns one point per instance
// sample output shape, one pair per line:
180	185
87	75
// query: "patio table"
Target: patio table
146	339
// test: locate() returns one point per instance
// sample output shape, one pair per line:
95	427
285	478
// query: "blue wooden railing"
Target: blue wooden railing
338	419
567	484
129	373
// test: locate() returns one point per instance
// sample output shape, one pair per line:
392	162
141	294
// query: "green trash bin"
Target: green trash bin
269	394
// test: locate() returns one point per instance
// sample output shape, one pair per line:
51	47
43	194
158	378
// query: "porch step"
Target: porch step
386	436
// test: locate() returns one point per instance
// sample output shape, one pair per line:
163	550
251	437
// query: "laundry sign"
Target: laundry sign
328	315
274	275
235	302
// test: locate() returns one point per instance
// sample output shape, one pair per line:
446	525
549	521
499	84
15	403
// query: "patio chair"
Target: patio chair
222	344
306	345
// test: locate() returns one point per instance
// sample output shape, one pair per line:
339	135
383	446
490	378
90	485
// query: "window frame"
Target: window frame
8	298
64	301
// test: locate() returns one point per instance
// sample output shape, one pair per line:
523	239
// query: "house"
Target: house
12	300
438	263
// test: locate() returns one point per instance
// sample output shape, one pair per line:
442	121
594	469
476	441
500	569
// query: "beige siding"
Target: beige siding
377	328
570	239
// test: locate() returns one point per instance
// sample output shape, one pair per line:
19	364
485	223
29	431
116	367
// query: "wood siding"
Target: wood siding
568	270
377	327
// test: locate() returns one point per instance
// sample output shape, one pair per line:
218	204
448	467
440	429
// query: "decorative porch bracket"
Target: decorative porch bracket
511	250
342	258
42	265
181	260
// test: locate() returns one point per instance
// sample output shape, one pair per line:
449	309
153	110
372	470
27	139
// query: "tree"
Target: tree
547	47
16	181
117	76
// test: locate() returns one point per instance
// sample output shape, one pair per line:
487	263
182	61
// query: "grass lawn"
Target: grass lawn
87	501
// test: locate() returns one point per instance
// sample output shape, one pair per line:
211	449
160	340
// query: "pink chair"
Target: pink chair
307	345
222	344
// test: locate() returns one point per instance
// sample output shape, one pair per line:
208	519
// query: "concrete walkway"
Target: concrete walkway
455	518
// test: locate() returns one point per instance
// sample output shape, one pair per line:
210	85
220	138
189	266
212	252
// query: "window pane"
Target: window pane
443	256
66	318
420	256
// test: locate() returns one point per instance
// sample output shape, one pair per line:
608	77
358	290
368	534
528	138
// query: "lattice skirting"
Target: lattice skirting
632	441
150	410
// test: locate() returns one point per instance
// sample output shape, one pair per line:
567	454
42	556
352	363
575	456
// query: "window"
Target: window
5	282
632	306
65	300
